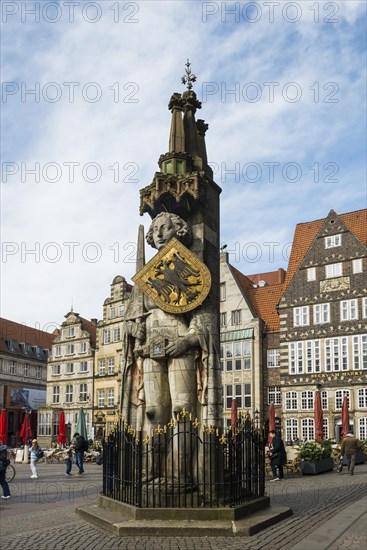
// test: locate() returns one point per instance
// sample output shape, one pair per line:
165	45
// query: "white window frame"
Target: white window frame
360	352
291	401
111	365
291	428
339	396
308	428
83	366
349	310
71	332
70	368
100	398
69	393
324	400
274	395
121	310
333	270
101	367
70	350
116	334
336	354
273	358
362	428
301	316
83	347
362	398
58	351
228	396
55	395
321	314
112	312
325	428
56	370
222	290
223	319
364	308
38	372
236	317
307	400
357	265
106	336
332	241
247	396
110	397
311	274
83	392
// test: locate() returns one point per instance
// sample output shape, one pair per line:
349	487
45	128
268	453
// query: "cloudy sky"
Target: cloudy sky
85	119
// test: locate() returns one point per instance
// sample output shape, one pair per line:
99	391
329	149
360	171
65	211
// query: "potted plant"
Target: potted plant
315	457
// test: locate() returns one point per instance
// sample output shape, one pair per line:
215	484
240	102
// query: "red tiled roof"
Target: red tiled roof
264	300
91	328
270	277
305	234
20	332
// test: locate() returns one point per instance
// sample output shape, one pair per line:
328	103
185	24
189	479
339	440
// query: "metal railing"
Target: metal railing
184	464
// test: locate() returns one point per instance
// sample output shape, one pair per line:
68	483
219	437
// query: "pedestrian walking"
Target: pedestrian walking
79	446
278	456
349	448
4	463
36	453
69	461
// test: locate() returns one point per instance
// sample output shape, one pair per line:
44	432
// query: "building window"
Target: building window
311	274
313	363
360	352
273	358
83	366
325	428
333	241
349	310
362	398
111	397
304	357
274	395
112	312
291	401
333	270
236	317
38	371
221	357
57	351
229	396
222	288
291	427
100	398
223	319
101	367
111	365
336	354
70	332
56	394
48	424
106	336
247	395
321	314
307	428
69	393
324	400
41	424
362	427
70	368
26	369
357	265
56	370
301	316
121	310
70	349
83	347
247	354
83	392
12	367
307	400
116	335
229	356
339	395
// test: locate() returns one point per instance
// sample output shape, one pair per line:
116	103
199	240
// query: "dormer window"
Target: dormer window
333	241
70	332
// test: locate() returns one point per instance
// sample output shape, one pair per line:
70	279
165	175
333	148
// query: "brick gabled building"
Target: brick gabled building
323	325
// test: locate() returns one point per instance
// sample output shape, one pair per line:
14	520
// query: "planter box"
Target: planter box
360	458
318	467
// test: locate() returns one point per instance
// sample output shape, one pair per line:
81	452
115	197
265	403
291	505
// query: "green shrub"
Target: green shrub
312	451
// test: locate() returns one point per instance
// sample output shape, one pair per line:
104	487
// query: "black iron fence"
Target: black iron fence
184	464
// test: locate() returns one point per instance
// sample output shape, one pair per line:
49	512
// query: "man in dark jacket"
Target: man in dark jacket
278	456
3	465
79	448
349	448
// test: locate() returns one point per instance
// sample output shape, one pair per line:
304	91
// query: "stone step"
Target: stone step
120	525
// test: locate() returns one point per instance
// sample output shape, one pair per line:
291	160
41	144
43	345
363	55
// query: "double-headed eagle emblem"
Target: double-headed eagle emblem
175	279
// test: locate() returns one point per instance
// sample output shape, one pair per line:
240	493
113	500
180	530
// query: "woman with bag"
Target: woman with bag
278	456
36	454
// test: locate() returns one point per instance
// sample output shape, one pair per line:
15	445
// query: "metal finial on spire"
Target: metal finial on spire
189	77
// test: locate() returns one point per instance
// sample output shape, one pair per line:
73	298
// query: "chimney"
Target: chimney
281	275
94	321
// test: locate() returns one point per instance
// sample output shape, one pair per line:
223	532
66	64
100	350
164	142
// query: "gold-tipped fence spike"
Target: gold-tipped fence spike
178	416
223	440
217	432
158	429
171	423
196	423
203	427
146	439
190	417
210	429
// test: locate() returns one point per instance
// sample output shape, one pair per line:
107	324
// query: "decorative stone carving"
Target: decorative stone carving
332	285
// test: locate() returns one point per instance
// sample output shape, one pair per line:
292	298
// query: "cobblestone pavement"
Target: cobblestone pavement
40	515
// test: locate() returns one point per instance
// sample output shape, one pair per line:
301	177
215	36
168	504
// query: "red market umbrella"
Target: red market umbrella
271	421
61	438
234	416
25	431
345	416
3	427
318	417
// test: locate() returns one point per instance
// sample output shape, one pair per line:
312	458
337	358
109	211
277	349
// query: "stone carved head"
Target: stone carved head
164	227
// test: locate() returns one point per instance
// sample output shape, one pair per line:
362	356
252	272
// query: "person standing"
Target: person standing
79	448
278	456
4	462
69	461
349	448
35	452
